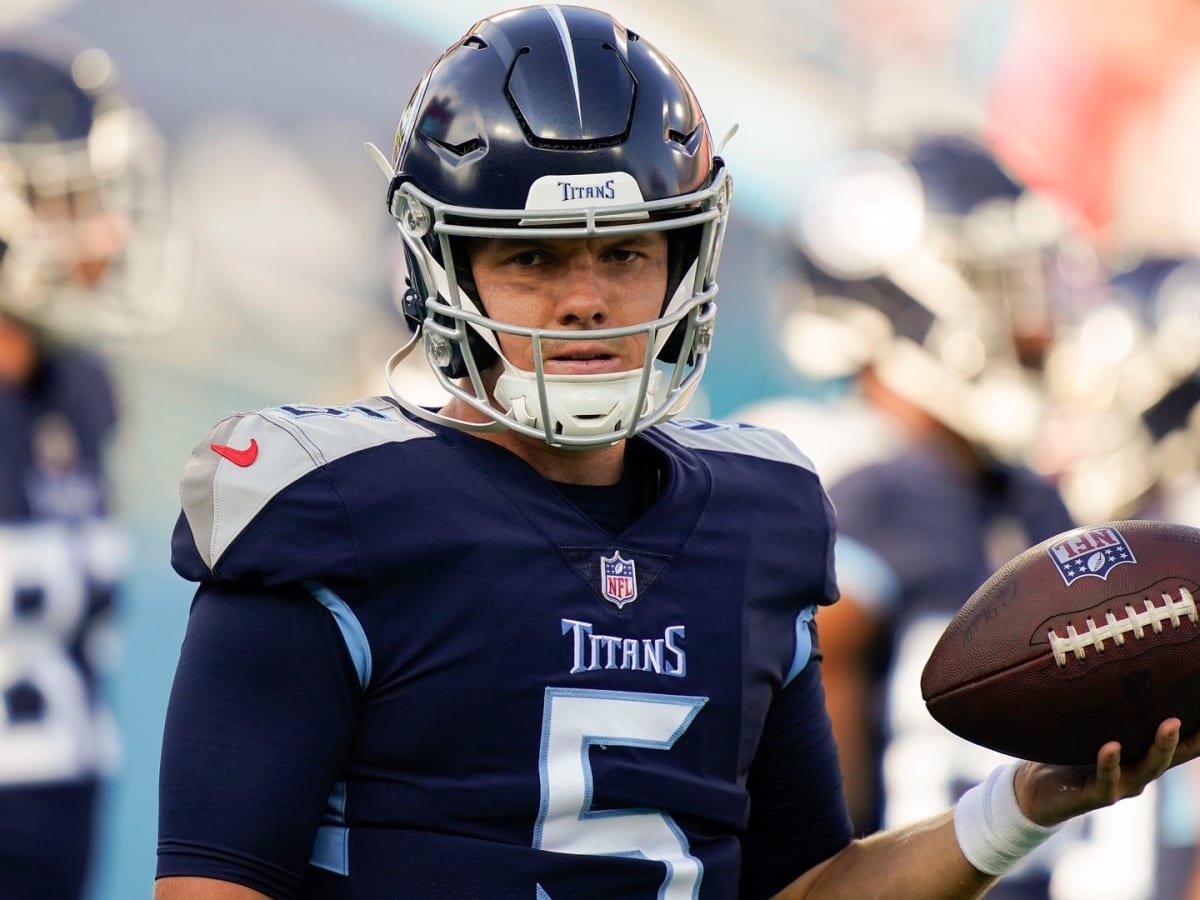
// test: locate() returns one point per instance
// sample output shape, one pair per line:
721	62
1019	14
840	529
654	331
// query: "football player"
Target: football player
76	160
1124	387
552	639
956	284
921	302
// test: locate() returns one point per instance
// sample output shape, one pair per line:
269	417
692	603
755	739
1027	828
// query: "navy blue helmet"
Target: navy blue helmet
1125	387
959	174
557	122
933	264
82	192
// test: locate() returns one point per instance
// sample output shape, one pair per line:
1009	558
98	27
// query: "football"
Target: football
1088	637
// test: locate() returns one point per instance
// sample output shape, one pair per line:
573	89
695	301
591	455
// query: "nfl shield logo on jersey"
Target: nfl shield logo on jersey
1095	551
618	579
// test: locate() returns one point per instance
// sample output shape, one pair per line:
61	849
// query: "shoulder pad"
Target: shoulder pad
249	458
736	437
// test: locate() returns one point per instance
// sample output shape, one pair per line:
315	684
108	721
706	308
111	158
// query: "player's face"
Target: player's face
80	234
576	285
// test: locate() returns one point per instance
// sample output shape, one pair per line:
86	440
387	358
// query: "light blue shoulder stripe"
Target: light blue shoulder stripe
737	437
331	849
352	631
804	644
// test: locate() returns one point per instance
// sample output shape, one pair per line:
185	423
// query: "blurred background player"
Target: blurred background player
1124	383
932	287
1123	442
955	370
78	181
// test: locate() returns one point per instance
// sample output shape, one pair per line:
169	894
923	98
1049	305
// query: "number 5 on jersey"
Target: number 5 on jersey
573	721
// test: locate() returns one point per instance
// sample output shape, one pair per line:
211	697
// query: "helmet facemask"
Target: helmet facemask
572	411
83	205
555	122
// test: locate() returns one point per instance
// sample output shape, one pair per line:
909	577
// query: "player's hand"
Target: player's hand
1052	794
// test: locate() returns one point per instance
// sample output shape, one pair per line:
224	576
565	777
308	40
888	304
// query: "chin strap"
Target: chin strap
396	359
579	405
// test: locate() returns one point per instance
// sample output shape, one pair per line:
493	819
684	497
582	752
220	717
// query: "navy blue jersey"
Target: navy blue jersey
60	560
941	527
415	667
53	433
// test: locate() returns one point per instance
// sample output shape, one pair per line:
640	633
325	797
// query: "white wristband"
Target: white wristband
991	829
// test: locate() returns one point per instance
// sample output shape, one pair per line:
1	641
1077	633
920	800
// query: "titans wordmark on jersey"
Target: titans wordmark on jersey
536	708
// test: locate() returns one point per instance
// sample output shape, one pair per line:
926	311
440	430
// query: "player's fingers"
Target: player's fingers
1168	739
1166	742
1108	773
1157	759
1189	748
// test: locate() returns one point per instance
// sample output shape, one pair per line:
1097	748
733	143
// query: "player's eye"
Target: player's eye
528	258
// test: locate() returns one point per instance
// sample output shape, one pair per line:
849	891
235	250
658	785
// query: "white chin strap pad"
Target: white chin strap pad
578	405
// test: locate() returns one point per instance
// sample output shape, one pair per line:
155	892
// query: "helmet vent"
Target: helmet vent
684	140
468	146
475	42
567	145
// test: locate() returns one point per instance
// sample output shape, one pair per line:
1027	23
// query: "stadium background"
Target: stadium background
266	106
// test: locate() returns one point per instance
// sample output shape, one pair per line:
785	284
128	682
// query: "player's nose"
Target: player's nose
583	296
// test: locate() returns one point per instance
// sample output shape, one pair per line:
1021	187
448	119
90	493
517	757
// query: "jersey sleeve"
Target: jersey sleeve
798	815
257	729
261	502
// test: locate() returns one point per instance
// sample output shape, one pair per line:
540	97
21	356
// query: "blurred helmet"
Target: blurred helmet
556	122
82	195
937	269
1124	385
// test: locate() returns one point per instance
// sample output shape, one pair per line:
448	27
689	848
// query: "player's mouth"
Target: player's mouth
583	361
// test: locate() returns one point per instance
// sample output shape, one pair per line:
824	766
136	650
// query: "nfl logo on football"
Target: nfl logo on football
618	579
1095	551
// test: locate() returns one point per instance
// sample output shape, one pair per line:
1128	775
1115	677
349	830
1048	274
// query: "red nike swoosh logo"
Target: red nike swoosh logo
238	457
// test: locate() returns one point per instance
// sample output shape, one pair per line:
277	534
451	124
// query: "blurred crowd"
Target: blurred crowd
986	292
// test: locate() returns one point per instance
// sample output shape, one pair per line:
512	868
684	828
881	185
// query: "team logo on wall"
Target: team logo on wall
618	579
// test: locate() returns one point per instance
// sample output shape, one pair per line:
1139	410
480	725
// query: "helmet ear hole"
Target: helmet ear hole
683	248
484	355
674	345
414	309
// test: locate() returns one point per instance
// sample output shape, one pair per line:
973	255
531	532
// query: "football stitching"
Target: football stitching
1076	643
